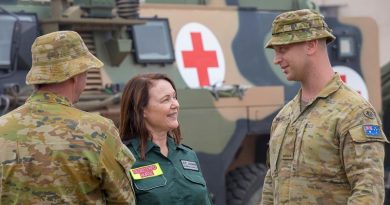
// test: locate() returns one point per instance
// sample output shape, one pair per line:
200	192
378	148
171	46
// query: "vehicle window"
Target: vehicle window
7	24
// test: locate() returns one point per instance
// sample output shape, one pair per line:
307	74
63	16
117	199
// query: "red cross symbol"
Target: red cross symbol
200	59
343	78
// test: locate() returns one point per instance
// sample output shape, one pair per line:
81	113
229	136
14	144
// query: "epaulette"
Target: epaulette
187	146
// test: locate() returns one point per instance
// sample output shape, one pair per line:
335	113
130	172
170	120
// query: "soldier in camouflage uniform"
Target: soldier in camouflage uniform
53	153
327	144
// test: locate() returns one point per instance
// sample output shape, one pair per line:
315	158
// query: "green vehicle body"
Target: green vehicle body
385	80
385	75
227	123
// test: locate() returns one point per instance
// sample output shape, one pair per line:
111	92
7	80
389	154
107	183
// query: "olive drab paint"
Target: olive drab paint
225	119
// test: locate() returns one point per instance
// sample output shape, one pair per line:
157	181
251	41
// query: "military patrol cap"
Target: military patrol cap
299	26
59	56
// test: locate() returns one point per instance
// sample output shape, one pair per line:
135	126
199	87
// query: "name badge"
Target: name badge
189	165
152	170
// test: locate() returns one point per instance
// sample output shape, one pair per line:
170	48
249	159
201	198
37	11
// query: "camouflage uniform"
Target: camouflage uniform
330	152
53	153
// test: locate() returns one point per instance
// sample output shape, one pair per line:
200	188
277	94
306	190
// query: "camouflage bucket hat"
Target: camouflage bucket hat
299	26
58	56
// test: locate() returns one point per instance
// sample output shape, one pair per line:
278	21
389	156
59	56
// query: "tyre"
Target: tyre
387	187
245	185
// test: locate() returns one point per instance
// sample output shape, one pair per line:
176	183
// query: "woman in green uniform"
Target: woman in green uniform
166	172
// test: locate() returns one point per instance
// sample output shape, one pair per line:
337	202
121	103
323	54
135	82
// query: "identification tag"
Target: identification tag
189	165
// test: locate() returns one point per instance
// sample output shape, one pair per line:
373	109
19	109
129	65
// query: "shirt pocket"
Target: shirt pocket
150	183
280	128
365	144
195	178
303	130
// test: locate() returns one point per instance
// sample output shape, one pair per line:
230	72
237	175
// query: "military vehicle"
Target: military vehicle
385	75
228	87
385	79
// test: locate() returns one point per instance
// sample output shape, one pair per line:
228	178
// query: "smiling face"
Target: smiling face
162	110
292	60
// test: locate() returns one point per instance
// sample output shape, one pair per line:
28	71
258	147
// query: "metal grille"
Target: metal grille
94	78
127	8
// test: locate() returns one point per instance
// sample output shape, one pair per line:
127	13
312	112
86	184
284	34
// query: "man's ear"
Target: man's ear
73	79
311	47
77	78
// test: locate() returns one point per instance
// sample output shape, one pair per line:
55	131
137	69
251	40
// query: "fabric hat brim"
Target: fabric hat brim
298	36
54	72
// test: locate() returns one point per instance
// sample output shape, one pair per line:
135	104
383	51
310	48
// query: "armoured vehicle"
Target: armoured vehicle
228	87
385	79
385	76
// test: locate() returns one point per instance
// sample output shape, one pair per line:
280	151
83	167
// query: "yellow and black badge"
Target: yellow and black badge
369	112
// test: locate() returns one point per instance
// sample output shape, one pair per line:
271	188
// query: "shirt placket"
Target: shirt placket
299	127
288	148
285	165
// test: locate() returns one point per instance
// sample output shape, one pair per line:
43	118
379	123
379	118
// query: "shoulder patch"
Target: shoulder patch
372	131
369	113
367	133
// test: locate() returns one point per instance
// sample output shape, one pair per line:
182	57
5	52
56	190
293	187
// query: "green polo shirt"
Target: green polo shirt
176	179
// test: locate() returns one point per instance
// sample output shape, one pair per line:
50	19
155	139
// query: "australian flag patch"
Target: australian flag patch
372	130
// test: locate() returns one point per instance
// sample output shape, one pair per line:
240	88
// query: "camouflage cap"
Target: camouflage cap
58	56
299	26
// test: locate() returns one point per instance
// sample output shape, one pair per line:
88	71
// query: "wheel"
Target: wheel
386	119
387	187
245	185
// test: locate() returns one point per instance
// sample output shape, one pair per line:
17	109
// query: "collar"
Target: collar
332	86
49	97
150	145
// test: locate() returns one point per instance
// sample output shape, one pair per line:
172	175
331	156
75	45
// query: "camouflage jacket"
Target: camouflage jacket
331	152
52	153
